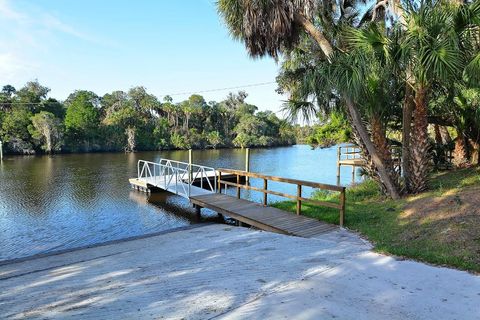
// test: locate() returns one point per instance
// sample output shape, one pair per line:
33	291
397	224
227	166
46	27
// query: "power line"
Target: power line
173	94
221	89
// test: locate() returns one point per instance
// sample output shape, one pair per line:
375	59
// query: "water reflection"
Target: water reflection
57	202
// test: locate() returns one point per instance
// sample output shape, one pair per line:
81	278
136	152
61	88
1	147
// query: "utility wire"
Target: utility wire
177	93
221	89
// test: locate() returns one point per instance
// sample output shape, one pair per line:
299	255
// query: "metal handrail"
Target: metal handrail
172	172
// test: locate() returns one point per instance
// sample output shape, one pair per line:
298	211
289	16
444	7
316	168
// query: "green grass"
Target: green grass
423	232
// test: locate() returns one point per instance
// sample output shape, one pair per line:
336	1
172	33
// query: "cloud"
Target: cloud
7	12
53	23
11	66
40	21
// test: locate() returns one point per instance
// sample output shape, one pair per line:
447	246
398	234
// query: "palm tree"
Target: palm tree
436	50
268	27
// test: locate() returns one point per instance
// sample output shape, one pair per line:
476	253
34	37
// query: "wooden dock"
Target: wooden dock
351	156
203	185
267	218
261	217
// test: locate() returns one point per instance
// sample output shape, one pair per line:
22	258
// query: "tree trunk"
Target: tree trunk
420	147
438	134
387	181
407	111
460	158
130	140
475	152
316	34
48	140
397	9
381	144
187	119
445	135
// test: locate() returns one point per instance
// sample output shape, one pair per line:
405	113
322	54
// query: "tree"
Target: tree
437	50
14	131
48	130
6	96
120	111
266	28
334	131
31	95
194	105
249	130
53	106
214	138
81	119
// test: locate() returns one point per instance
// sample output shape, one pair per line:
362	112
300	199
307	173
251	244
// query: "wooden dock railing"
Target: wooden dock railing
298	197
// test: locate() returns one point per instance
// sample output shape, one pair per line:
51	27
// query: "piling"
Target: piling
247	163
1	151
339	152
190	162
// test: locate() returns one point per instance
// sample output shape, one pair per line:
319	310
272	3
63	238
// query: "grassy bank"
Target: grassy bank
441	226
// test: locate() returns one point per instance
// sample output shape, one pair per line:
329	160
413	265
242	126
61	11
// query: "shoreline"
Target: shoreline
6	154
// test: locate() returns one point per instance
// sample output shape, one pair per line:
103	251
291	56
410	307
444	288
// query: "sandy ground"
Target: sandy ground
218	271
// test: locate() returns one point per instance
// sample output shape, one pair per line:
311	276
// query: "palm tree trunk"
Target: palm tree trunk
397	9
438	134
381	144
316	34
407	112
475	152
386	179
420	156
460	158
187	119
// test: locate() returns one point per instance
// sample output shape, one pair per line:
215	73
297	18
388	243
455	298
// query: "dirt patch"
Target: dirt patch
449	220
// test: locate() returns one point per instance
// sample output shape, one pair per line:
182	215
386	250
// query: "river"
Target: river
50	203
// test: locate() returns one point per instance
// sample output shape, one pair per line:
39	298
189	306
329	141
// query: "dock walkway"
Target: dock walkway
202	186
265	218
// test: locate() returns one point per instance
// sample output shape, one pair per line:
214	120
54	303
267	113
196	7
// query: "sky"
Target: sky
167	46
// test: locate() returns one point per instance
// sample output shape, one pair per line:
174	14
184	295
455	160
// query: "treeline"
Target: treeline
31	122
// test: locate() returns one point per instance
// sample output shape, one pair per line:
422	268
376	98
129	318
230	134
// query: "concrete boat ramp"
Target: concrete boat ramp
223	272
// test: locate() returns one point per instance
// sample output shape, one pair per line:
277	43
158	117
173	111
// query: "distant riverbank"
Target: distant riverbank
7	152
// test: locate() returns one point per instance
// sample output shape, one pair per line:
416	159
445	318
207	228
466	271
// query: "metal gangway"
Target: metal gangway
181	178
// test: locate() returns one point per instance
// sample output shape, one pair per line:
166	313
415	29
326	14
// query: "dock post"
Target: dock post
1	150
190	162
338	164
342	208
198	211
265	186
247	163
299	202
238	186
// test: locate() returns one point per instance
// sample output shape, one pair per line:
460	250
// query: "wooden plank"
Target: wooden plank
265	218
355	162
285	195
287	180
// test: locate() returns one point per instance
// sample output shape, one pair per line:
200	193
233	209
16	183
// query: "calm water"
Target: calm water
65	201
